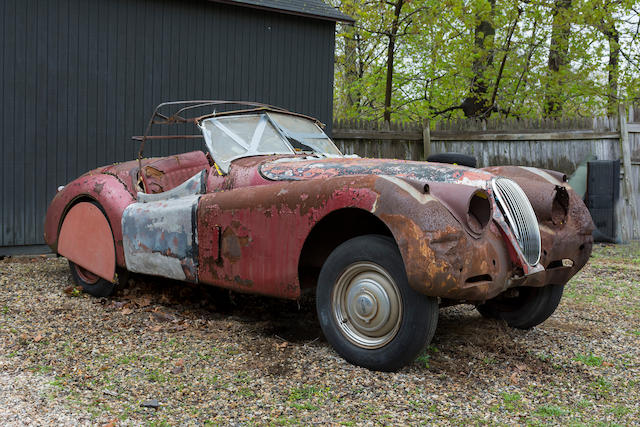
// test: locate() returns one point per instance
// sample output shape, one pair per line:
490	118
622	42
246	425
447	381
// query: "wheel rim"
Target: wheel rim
367	305
88	277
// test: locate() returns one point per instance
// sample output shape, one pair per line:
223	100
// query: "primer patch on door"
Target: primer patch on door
160	238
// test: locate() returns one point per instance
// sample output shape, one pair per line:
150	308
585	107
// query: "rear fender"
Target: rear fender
107	190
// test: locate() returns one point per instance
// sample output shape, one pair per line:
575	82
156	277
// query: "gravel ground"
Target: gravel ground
195	355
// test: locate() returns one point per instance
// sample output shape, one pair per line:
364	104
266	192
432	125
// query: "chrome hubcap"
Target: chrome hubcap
367	305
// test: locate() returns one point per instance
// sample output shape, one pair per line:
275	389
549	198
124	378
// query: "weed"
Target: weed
423	359
242	377
489	360
5	309
305	406
246	392
154	375
589	359
601	386
306	392
619	411
550	411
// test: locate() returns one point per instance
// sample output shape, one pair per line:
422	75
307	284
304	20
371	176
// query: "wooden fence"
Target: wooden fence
545	143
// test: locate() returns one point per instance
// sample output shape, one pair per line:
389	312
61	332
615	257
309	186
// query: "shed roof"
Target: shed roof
311	8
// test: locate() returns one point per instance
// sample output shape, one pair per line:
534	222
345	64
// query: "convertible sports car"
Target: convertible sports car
272	207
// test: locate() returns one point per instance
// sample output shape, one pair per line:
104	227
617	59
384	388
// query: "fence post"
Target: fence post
625	152
426	138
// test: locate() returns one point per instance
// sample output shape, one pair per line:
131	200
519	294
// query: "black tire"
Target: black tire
90	283
377	263
531	307
457	158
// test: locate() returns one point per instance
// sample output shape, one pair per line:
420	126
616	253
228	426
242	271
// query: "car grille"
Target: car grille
514	204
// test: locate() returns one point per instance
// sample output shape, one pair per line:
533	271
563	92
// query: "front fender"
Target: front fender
441	258
564	236
107	190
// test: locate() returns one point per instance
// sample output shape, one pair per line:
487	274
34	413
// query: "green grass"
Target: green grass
546	411
511	401
589	359
305	392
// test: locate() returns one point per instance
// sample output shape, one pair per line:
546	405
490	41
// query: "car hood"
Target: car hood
300	169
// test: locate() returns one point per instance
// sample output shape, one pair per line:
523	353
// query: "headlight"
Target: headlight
479	212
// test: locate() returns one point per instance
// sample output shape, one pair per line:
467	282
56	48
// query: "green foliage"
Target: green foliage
436	47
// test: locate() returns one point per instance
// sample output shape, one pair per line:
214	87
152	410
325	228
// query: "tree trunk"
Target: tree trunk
613	37
351	97
558	53
476	104
390	52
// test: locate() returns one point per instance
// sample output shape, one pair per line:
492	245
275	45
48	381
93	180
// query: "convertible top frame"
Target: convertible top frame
181	107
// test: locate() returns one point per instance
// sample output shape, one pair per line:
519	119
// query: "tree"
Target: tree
476	58
558	52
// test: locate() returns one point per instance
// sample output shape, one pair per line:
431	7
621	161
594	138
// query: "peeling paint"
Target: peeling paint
159	238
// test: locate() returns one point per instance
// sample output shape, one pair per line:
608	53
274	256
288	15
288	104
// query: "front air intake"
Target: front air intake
515	206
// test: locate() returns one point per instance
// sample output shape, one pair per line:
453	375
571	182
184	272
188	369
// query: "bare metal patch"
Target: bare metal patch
408	188
159	238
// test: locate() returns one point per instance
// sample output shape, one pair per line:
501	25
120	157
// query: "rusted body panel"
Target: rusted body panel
303	170
250	238
108	190
565	230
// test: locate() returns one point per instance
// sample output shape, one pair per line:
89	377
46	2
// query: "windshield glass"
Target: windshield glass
304	135
231	137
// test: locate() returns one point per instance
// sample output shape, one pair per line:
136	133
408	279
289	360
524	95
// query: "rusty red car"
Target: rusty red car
271	206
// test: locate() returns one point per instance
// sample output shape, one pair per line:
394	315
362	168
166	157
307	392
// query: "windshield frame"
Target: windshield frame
281	131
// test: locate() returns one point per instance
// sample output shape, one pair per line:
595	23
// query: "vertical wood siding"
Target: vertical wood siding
78	78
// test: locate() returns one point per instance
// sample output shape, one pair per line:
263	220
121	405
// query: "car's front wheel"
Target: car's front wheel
367	310
530	307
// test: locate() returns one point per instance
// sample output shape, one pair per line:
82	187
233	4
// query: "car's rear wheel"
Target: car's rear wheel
530	307
90	283
367	310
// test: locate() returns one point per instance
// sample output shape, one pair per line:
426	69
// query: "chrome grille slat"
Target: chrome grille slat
514	204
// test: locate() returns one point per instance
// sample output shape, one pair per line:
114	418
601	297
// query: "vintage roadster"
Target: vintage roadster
272	207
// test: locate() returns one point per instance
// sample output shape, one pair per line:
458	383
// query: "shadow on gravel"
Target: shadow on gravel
291	321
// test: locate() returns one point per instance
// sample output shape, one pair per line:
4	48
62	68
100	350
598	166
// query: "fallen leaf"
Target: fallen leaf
282	345
514	378
607	364
126	311
143	302
155	328
38	338
111	423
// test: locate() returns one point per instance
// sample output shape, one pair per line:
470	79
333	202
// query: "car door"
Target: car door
159	231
